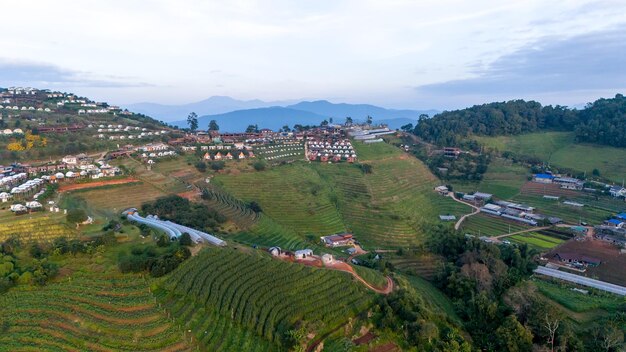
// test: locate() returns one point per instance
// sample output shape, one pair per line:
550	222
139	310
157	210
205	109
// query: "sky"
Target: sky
441	54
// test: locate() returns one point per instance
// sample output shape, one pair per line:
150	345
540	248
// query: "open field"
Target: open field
536	240
39	226
119	197
424	265
559	149
247	301
166	184
180	168
568	213
88	310
611	268
485	225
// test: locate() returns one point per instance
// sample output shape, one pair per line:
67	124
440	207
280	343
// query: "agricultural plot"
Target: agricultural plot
424	265
89	312
40	227
386	208
292	195
119	197
536	240
503	178
179	169
281	152
158	180
560	149
252	300
484	225
568	213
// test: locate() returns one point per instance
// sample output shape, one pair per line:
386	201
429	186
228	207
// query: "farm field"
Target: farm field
502	179
611	268
424	265
158	180
119	197
385	208
536	240
568	213
178	168
39	226
88	310
559	149
252	300
485	225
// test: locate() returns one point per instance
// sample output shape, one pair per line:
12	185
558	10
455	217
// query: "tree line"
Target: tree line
601	122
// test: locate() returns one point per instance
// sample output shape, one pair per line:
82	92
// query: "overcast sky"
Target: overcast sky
412	54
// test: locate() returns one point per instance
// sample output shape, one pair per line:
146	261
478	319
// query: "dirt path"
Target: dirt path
75	186
345	267
460	221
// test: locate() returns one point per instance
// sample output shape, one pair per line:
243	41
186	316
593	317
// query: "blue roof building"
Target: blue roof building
614	222
544	176
621	216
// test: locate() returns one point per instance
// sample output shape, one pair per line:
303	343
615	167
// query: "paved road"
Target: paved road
581	280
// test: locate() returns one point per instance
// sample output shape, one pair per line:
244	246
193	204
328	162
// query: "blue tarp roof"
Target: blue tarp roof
621	216
615	221
543	176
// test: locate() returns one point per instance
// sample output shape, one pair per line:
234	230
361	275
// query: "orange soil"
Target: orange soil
74	186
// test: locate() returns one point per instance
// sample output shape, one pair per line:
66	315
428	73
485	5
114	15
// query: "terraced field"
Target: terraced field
233	300
41	226
485	225
293	195
423	265
386	208
89	312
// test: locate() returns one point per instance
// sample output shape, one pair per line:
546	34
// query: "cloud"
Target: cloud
592	61
42	74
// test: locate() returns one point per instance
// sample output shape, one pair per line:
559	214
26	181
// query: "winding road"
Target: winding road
460	221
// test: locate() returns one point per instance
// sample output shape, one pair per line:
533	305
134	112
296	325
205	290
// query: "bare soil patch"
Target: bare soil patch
74	186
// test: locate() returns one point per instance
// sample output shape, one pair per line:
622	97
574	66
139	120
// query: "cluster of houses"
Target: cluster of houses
334	150
562	181
228	156
130	132
22	91
338	240
517	212
301	254
613	230
25	108
27	207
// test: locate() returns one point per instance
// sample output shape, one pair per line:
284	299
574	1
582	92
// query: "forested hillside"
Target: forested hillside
602	122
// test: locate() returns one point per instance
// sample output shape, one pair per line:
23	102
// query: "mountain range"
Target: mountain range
235	115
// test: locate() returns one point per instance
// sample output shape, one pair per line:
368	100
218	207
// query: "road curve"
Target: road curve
581	280
476	210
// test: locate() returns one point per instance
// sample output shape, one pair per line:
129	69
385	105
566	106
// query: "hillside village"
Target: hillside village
355	199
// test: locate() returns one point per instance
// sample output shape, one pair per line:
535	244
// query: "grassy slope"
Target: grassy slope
559	149
384	208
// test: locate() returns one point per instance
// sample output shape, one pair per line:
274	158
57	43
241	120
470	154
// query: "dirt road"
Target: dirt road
64	187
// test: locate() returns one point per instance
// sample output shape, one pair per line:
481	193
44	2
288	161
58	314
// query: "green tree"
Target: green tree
259	165
76	216
252	129
192	121
369	120
185	239
213	126
513	337
348	121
